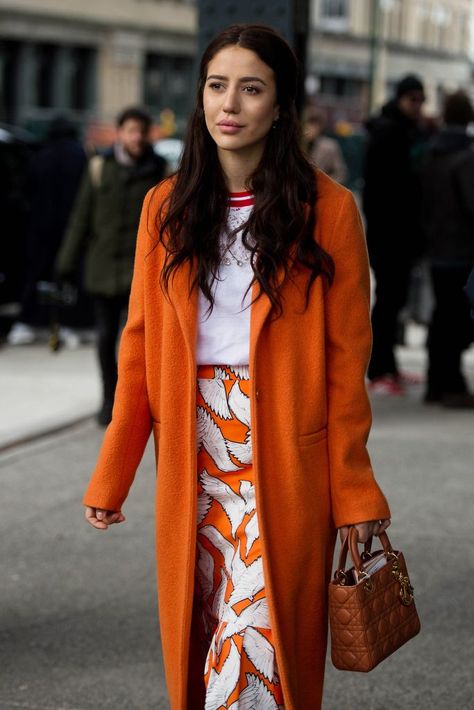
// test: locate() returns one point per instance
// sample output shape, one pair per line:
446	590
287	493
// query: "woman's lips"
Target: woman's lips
229	128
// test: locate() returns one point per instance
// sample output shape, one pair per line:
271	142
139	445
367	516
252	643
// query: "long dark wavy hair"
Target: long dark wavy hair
280	230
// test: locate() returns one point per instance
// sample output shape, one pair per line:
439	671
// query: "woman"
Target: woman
250	277
323	151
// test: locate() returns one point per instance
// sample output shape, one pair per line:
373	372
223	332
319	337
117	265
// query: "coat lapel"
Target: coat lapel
186	305
259	311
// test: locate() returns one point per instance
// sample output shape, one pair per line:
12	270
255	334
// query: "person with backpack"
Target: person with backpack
448	221
103	229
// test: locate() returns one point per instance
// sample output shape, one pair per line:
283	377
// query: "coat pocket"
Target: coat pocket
313	437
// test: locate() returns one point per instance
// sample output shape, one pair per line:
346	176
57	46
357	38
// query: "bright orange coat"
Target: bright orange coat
310	423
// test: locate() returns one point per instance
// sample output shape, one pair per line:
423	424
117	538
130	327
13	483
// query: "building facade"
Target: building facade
358	49
90	58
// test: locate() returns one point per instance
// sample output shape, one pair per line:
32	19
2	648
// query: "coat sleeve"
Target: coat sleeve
78	231
127	434
464	182
356	496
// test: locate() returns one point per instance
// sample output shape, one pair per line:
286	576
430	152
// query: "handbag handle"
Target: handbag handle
351	542
353	546
345	548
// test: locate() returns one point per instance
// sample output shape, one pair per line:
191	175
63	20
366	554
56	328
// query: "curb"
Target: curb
21	440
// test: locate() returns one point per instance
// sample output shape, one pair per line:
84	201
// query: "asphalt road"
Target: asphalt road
78	627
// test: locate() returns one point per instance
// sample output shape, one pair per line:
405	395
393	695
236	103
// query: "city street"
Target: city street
78	606
238	131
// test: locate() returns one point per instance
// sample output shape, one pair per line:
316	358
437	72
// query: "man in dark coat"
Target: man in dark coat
469	289
391	202
56	172
448	221
104	225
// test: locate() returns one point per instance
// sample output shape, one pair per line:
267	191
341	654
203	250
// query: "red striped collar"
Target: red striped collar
241	199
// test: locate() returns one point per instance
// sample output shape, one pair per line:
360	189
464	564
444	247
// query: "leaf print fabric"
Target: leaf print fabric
240	671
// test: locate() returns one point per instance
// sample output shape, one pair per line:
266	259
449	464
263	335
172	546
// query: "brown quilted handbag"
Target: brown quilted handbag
371	614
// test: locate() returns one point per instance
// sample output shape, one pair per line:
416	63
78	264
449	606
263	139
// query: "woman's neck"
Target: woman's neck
237	167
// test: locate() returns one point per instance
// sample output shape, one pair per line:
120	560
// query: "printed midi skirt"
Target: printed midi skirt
240	671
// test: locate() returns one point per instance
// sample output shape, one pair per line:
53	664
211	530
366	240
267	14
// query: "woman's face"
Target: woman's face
240	100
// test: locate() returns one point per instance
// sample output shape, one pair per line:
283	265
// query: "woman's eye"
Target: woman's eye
215	85
251	90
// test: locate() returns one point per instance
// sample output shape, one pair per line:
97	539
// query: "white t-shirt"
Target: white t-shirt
224	334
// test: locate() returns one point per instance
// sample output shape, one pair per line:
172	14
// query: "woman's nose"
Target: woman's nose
231	101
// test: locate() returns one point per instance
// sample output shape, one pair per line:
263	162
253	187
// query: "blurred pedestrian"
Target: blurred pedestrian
324	152
104	226
392	203
56	171
448	220
16	150
469	289
245	352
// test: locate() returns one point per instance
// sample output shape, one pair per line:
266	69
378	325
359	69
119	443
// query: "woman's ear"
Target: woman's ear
276	113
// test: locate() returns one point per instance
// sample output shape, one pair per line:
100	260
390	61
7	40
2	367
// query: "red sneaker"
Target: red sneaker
410	378
386	385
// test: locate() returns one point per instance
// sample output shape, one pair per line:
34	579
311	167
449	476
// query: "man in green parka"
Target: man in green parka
103	230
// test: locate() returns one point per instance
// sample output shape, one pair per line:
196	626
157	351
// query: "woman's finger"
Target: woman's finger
363	531
112	517
375	528
101	519
366	530
384	524
92	519
343	533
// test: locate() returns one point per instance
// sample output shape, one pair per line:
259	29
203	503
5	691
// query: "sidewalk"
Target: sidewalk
54	565
42	391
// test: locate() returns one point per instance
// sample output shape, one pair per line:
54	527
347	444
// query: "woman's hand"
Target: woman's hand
101	519
365	530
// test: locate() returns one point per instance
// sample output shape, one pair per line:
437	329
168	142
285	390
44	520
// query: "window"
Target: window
45	75
465	33
177	2
82	78
395	22
168	83
334	8
38	78
340	86
9	63
334	15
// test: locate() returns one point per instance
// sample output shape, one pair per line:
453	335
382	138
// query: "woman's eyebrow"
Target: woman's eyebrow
242	79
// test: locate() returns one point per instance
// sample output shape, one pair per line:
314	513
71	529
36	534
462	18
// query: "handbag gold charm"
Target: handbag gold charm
406	589
368	584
